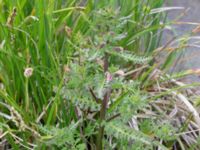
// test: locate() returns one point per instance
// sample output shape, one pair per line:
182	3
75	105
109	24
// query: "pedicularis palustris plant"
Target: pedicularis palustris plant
99	84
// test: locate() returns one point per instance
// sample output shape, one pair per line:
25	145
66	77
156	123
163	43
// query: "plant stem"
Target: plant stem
81	128
26	95
106	63
104	103
102	118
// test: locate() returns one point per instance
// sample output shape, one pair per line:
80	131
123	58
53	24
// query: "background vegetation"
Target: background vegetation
86	75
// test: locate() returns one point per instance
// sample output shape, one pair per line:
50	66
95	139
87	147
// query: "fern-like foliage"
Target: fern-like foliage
121	131
62	138
127	56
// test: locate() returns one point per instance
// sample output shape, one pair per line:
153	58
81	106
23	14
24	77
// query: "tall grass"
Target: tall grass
48	38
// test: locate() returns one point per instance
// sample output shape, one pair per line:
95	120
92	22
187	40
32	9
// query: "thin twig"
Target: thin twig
81	128
113	117
94	96
165	46
44	111
135	70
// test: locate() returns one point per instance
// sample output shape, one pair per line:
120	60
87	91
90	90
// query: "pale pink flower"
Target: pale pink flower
28	72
